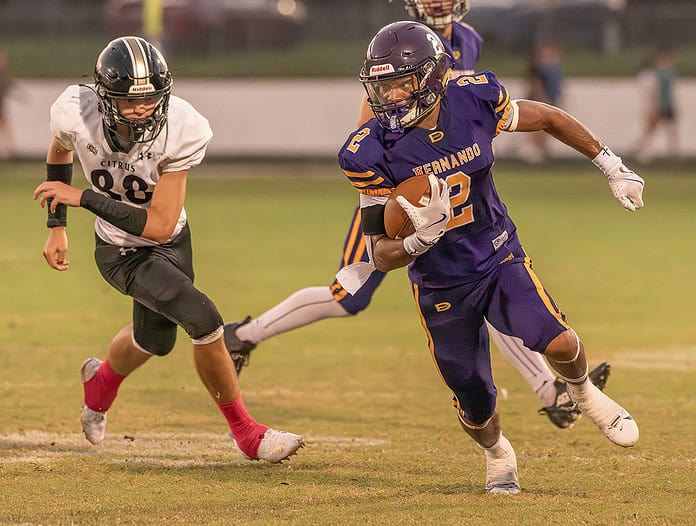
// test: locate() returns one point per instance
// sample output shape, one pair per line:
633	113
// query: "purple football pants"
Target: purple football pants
513	300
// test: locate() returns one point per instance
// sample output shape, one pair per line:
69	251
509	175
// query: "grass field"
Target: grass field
383	444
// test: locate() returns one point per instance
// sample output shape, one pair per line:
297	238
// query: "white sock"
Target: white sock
301	308
530	364
500	449
582	392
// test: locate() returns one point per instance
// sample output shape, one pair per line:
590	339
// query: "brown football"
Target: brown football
416	190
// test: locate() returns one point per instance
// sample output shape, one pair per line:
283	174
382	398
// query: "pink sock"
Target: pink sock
246	431
101	390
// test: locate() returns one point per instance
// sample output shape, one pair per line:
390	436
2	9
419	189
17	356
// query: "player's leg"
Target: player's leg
459	344
551	390
165	285
307	305
519	305
102	379
530	365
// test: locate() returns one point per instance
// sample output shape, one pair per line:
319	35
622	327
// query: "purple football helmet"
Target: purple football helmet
437	14
404	74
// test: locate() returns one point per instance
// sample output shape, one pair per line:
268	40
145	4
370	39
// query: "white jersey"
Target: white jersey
129	177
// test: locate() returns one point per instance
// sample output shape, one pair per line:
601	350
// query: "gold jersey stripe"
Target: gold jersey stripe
338	291
542	293
363	184
352	238
431	346
504	103
359	175
503	120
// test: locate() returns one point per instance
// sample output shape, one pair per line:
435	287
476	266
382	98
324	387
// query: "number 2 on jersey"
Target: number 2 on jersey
460	187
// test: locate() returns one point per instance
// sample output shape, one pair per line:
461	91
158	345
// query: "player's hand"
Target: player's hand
56	248
627	187
430	221
59	193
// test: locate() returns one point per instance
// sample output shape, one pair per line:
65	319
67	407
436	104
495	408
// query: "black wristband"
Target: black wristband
63	174
128	218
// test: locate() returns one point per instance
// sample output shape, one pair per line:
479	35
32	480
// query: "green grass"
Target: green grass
383	446
305	59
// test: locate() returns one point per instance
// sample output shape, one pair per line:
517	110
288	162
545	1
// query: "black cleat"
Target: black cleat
564	412
600	374
239	349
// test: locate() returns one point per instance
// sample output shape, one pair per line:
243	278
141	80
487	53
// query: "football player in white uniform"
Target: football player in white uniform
311	304
136	143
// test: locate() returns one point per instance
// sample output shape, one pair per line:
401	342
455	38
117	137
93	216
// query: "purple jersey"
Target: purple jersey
460	151
464	47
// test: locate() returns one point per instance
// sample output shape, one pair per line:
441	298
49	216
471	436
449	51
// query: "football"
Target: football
416	190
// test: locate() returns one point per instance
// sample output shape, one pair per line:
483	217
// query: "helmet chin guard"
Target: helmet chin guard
404	74
131	68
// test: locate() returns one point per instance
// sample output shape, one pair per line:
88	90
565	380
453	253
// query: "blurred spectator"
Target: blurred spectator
6	139
545	85
656	81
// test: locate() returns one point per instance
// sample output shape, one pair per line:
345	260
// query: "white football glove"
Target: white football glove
625	184
430	221
627	187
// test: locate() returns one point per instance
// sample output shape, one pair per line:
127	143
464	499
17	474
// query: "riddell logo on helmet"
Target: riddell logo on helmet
144	88
382	68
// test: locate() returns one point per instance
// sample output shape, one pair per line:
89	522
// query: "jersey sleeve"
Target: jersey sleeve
359	158
190	134
62	117
488	100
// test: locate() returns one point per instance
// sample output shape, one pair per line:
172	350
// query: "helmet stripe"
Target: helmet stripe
141	70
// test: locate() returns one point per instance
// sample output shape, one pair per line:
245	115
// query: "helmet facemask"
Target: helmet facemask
401	100
437	14
137	130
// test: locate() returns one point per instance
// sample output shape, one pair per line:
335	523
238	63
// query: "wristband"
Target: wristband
128	218
61	173
607	161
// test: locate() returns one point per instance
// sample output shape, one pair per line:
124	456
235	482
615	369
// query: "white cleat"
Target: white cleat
613	420
501	470
93	422
275	446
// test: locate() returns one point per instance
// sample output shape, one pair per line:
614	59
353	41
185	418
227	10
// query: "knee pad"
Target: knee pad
157	341
190	308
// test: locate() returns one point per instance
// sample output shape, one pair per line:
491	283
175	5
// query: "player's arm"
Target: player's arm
156	223
526	115
165	208
429	221
58	170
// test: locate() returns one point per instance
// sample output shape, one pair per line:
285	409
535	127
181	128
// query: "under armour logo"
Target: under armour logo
124	251
142	156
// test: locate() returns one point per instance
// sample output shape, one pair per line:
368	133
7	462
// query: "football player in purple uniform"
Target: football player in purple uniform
136	143
465	260
312	304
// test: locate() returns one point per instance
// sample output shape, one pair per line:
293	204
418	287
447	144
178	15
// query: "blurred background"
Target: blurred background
278	77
